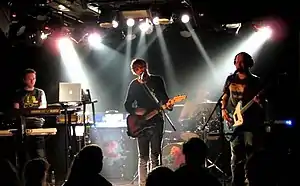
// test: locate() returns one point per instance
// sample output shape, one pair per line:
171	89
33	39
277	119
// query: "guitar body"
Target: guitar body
229	130
136	125
237	115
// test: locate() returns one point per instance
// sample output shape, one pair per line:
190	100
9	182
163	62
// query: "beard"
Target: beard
241	70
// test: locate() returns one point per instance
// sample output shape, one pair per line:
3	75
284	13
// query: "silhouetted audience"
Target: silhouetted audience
35	172
86	168
261	169
194	172
160	176
8	174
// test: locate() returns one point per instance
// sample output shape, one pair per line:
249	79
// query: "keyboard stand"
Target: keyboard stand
20	140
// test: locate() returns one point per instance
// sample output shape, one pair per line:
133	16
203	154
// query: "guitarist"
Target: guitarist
246	138
139	102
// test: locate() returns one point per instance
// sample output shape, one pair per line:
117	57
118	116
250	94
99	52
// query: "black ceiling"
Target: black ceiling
212	12
219	11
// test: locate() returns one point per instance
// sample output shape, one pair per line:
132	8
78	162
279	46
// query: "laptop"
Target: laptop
69	92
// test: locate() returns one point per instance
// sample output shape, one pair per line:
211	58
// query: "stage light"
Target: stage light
185	18
115	24
130	22
144	26
94	40
64	43
266	31
130	37
156	21
44	36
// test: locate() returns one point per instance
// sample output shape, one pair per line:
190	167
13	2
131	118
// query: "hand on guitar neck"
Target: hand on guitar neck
169	105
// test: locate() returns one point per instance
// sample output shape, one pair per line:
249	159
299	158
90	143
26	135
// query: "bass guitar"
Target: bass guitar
137	124
237	117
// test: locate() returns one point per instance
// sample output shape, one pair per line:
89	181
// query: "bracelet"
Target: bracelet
223	108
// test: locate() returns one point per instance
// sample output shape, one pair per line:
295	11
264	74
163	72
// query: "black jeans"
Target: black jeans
242	146
149	141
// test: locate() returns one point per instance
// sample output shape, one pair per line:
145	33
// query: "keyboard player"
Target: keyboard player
30	97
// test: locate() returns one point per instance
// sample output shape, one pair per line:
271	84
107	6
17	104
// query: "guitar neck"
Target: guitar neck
247	106
250	103
154	113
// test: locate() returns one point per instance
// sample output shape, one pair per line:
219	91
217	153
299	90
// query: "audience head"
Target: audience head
160	176
35	172
89	160
260	167
8	174
195	151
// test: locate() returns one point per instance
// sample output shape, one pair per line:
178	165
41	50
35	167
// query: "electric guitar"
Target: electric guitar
237	117
137	124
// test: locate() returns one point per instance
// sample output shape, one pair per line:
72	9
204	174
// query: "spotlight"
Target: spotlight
94	39
265	30
146	26
156	21
115	24
185	18
130	37
130	22
43	35
64	43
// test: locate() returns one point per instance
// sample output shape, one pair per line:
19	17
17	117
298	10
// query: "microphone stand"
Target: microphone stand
162	111
88	100
221	133
159	105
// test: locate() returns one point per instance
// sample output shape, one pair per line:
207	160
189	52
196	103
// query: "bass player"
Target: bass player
246	138
139	102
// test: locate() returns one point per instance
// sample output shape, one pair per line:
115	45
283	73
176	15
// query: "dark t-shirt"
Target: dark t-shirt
138	97
30	99
244	90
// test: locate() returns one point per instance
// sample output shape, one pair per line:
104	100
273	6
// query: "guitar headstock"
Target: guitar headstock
178	98
260	93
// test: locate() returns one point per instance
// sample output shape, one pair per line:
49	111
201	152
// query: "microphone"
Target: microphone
142	76
235	72
232	76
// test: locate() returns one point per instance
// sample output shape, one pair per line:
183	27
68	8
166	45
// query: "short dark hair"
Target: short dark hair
195	147
34	170
249	62
29	71
137	61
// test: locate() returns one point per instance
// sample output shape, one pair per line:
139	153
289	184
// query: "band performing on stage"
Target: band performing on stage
236	119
